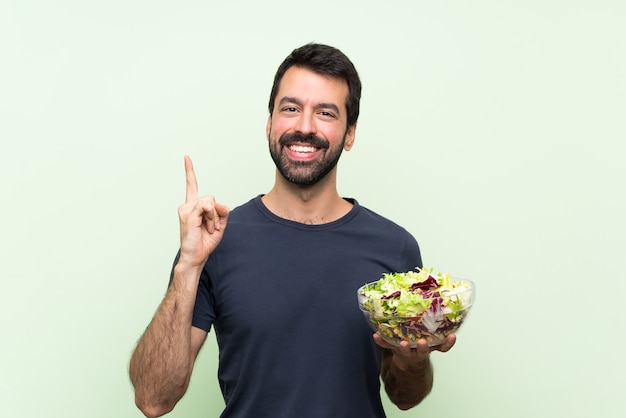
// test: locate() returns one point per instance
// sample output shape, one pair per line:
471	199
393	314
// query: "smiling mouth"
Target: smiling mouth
302	148
302	144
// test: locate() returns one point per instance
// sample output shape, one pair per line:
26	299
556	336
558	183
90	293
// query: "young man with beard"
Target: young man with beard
277	276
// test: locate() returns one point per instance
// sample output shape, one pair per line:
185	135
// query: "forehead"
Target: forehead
310	87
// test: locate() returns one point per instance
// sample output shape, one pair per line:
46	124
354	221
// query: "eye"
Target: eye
327	114
289	109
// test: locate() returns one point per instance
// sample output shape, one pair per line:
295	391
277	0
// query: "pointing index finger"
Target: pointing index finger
192	184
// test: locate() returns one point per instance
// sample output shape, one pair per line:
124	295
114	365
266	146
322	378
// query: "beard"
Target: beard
305	173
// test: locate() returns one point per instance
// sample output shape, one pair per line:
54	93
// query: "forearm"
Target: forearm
161	364
406	387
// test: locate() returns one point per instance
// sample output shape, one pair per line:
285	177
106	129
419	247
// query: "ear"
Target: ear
350	134
268	127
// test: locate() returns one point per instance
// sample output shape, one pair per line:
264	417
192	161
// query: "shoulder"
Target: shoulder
246	212
367	216
381	238
245	208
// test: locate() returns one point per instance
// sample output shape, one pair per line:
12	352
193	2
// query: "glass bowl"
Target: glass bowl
406	316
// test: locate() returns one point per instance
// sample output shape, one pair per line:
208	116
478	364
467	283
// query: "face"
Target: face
307	130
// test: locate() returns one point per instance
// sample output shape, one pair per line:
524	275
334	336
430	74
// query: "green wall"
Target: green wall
492	130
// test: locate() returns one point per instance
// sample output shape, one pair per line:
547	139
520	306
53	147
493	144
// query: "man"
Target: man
277	276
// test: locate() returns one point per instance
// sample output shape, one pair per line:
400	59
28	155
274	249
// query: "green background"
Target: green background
492	130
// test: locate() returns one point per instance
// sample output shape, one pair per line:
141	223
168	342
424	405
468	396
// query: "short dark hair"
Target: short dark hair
324	60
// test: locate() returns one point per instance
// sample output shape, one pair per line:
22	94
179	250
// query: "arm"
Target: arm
161	365
407	373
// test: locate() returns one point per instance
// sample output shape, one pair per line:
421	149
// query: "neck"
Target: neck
319	203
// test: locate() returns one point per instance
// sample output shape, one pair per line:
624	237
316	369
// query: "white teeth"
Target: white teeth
302	148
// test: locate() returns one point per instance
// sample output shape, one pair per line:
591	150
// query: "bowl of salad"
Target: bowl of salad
416	305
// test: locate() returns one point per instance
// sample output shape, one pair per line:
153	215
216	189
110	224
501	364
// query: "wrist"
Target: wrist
405	365
186	276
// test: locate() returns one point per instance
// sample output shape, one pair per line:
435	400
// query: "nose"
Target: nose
306	123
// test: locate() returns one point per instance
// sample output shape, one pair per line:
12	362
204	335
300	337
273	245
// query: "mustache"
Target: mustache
316	141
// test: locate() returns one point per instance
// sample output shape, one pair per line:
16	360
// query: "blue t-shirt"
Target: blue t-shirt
282	297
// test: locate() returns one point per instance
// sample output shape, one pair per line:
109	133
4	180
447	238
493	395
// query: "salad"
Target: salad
416	304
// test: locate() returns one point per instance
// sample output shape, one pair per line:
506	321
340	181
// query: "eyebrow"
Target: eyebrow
286	100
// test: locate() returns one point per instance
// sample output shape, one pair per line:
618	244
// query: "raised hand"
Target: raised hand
202	222
160	367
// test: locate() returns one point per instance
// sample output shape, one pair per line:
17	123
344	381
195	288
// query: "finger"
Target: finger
422	347
450	341
222	210
204	208
405	348
221	215
192	184
212	216
381	342
212	221
447	344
